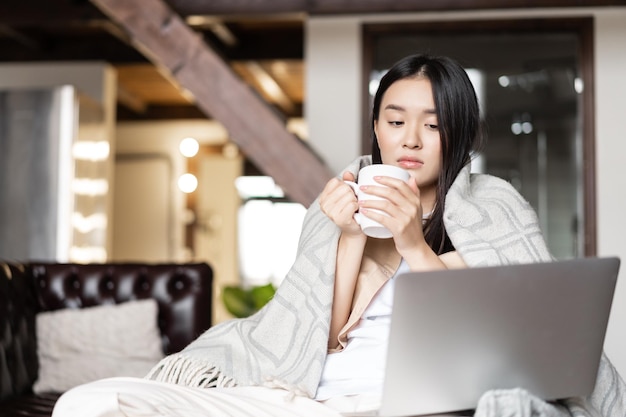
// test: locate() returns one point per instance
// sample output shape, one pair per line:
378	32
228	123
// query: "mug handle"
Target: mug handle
355	187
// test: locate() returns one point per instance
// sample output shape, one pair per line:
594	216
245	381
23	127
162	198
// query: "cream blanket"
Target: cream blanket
284	344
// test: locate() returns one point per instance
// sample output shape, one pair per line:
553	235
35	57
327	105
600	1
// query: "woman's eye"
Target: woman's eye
396	123
433	127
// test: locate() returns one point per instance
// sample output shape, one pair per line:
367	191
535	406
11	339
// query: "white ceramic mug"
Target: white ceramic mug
366	177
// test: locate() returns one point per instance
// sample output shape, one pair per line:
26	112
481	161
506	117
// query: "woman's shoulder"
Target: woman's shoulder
482	189
488	180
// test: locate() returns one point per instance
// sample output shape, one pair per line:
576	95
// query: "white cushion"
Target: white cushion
76	346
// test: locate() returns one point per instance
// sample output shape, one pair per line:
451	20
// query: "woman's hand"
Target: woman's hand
339	203
402	204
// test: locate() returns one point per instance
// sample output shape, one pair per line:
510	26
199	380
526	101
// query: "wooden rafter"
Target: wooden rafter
261	134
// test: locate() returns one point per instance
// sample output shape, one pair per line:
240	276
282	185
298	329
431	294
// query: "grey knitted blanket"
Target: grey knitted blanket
284	344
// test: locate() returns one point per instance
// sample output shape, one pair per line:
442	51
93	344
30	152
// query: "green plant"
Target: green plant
243	302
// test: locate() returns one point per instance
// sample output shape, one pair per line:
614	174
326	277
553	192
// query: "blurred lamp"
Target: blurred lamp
189	147
187	183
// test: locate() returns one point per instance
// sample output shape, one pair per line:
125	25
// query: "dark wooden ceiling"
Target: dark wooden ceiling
260	49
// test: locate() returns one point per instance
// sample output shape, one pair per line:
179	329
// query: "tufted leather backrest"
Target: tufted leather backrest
182	291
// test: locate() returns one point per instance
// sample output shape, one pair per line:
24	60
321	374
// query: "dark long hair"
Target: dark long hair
458	119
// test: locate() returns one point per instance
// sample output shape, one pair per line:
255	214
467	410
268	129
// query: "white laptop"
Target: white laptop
456	334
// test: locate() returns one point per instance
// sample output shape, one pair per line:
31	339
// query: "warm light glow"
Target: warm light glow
90	187
86	224
269	85
189	147
299	127
251	186
187	183
91	151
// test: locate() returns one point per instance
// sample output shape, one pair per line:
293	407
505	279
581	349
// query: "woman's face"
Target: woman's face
408	132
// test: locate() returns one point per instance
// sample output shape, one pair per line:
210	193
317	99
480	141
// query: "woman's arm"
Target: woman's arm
339	203
453	260
349	255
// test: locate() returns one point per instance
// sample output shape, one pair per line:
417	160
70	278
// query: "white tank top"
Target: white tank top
360	367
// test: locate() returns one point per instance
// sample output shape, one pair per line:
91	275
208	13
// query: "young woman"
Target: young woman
322	338
425	119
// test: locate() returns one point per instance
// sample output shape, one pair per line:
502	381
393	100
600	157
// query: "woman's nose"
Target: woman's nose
412	139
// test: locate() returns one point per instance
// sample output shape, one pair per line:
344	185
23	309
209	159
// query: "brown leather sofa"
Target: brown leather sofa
183	293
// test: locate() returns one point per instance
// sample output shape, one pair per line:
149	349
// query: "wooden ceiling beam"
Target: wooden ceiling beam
258	130
268	7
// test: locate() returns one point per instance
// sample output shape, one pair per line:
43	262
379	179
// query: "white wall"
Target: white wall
333	111
333	89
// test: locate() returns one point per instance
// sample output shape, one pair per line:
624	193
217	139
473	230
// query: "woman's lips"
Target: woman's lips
408	163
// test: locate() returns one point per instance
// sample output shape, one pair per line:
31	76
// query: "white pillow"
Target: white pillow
76	346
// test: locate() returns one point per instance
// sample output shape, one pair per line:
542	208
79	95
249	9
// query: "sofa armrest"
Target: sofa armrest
18	344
